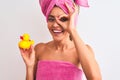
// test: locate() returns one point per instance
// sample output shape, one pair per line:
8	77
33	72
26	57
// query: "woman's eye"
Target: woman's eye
63	19
51	19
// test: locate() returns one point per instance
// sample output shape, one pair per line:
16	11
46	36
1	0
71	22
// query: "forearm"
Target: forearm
29	73
86	58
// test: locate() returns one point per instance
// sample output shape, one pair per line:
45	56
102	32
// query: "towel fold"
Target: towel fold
57	70
47	5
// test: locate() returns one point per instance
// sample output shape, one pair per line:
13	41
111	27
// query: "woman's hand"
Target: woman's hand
71	17
28	56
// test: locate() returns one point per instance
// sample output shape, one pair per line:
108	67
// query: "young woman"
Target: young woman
66	57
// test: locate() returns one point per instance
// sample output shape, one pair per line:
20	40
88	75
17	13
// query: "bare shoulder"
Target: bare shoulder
40	47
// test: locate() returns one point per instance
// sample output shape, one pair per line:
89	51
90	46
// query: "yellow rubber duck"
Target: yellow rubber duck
25	42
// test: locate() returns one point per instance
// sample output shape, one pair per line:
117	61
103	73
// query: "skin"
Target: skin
75	51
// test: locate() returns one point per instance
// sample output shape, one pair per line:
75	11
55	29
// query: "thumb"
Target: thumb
61	21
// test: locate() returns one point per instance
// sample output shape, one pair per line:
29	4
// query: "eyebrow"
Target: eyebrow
50	16
54	16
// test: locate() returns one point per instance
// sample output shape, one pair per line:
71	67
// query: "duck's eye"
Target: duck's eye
63	19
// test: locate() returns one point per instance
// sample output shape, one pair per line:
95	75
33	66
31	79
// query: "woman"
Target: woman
66	57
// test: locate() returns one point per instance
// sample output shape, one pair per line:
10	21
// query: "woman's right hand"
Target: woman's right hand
28	56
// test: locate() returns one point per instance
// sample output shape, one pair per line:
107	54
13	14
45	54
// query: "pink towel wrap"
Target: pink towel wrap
47	5
57	70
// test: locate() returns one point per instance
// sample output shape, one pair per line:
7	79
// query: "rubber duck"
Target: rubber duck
25	42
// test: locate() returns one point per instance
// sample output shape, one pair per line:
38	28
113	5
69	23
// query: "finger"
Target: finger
75	8
63	15
21	50
70	10
24	52
61	24
24	56
62	18
32	51
74	5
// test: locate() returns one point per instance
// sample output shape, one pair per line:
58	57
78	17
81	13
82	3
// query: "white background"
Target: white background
98	26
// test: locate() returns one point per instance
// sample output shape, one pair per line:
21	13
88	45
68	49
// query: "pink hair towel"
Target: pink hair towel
47	5
57	70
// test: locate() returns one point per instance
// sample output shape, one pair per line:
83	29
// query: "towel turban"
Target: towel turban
47	5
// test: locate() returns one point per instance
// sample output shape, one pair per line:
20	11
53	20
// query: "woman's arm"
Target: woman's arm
85	53
86	57
30	62
30	73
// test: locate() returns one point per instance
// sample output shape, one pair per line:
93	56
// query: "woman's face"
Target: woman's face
57	31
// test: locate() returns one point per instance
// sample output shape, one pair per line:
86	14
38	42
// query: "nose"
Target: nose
55	24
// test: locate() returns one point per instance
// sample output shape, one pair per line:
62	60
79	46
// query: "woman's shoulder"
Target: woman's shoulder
41	46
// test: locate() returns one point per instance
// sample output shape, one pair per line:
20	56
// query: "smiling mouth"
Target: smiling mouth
57	31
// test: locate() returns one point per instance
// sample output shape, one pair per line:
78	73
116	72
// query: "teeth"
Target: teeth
56	31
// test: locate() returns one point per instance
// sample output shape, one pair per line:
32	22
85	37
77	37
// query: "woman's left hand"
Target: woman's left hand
72	18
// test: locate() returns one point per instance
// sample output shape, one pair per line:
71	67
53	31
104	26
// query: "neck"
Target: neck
63	44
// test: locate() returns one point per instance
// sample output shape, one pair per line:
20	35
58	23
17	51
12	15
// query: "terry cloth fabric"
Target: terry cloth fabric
57	70
47	5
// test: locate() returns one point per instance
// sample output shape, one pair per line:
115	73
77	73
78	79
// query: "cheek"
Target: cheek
65	24
49	25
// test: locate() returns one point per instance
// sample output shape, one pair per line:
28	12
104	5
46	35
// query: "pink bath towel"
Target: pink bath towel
47	5
57	70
